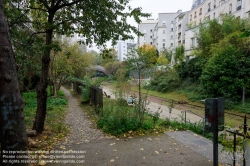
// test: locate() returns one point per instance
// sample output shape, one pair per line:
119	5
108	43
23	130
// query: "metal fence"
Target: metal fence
96	97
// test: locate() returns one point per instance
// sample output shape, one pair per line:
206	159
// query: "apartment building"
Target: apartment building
123	47
164	31
181	26
147	28
212	9
173	29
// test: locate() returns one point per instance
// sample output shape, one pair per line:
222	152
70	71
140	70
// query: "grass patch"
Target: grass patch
120	120
54	129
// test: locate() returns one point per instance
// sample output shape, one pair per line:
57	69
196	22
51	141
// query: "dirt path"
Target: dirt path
95	150
81	127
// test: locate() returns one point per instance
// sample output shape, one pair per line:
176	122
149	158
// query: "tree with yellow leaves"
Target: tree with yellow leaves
149	53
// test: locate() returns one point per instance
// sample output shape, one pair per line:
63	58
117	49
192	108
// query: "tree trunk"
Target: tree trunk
13	135
43	84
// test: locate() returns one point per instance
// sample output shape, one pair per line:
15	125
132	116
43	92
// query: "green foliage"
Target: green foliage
179	54
177	125
54	106
224	74
164	81
167	54
87	82
192	90
191	69
118	118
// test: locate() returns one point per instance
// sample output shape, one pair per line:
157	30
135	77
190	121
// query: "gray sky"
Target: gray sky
157	6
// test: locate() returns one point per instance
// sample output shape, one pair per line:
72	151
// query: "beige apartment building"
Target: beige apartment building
170	30
212	9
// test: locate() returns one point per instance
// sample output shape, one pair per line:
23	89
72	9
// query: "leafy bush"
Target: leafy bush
164	81
191	69
226	74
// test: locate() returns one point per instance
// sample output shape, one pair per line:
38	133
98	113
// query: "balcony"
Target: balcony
238	8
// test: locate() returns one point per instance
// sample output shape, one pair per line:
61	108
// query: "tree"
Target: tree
167	54
13	131
227	71
179	54
27	47
108	55
68	62
139	61
148	52
97	21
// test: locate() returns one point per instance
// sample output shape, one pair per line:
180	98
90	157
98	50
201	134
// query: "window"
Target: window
172	29
163	45
150	37
230	8
200	11
164	31
145	36
163	40
200	20
209	7
214	16
172	22
163	22
214	3
172	44
172	36
192	42
151	43
194	14
151	30
238	6
191	17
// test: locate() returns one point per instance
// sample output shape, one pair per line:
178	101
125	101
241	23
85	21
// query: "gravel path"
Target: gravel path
81	127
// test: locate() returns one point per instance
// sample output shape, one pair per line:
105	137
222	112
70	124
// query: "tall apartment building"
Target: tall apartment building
160	32
123	47
212	9
173	29
147	28
181	26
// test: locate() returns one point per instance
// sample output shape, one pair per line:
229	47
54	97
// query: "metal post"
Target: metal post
245	132
185	112
234	149
204	126
215	143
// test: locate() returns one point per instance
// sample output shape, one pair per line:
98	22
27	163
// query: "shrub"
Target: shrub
164	81
226	74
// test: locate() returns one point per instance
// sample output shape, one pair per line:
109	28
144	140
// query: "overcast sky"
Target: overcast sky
158	6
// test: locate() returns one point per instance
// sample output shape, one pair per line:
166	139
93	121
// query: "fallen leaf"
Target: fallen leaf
114	150
144	158
112	144
156	152
141	149
42	162
112	160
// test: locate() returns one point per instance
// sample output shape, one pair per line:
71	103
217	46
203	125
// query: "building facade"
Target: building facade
171	30
123	47
147	28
